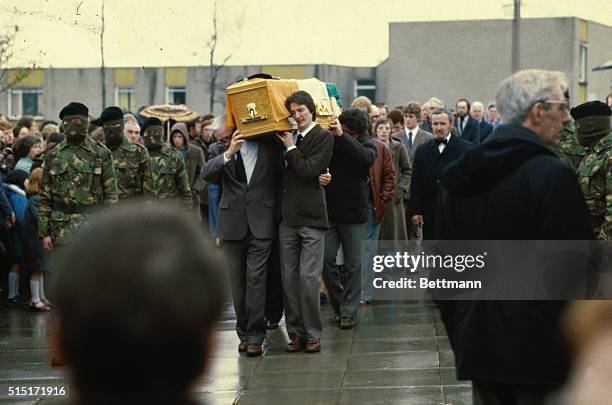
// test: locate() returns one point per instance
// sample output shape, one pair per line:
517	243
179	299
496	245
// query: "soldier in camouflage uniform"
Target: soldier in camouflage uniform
167	165
131	161
78	177
592	121
570	151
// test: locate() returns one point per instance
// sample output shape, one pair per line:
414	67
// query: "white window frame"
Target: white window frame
20	90
357	87
170	89
119	89
583	71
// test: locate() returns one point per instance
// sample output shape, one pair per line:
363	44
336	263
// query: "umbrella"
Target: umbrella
604	66
165	112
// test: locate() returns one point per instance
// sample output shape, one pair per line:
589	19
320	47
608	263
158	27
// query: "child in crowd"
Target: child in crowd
16	182
34	254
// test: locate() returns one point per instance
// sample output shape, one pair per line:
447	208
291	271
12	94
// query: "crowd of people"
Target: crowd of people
289	210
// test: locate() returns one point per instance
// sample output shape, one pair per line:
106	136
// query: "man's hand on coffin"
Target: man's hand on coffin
234	146
286	138
336	128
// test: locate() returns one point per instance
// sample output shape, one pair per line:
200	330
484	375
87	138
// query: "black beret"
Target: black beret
150	122
109	114
74	108
590	109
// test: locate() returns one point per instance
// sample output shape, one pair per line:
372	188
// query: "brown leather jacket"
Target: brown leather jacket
382	179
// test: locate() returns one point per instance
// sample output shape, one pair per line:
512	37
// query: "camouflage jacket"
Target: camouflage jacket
133	170
170	175
76	180
595	177
569	150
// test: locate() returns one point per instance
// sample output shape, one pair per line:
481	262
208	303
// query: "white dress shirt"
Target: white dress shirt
304	133
442	146
248	150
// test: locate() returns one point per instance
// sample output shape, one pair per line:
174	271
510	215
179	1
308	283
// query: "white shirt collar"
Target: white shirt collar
414	131
442	146
307	130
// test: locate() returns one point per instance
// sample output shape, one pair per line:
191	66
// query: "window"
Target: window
583	63
26	101
124	98
365	87
176	95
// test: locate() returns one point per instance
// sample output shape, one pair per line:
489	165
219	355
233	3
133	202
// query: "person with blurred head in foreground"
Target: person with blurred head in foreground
138	293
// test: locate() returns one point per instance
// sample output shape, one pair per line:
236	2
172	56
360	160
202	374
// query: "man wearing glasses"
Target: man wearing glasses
513	187
131	161
78	178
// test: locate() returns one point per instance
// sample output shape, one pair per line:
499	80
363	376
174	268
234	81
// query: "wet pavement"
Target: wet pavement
398	354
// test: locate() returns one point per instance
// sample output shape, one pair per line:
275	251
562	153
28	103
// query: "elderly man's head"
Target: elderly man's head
477	110
441	121
535	99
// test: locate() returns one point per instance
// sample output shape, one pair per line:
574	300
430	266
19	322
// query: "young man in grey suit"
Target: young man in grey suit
249	171
304	220
411	136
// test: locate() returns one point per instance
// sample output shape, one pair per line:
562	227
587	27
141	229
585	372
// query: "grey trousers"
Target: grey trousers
344	296
247	260
301	254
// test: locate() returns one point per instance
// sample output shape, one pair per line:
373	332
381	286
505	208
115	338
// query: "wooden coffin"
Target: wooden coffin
257	106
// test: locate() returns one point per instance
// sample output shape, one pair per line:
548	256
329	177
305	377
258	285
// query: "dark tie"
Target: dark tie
439	141
299	139
240	171
410	138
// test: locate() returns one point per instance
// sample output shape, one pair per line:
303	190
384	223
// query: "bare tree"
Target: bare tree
7	42
216	68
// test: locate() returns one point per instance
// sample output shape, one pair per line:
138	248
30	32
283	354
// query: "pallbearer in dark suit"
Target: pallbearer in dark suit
429	162
249	172
303	223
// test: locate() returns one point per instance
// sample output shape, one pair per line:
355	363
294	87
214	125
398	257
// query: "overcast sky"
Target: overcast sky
66	33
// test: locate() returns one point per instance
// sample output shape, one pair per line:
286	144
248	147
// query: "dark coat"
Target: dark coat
33	252
510	188
471	132
303	198
382	179
252	207
393	224
426	171
18	200
194	160
485	130
347	194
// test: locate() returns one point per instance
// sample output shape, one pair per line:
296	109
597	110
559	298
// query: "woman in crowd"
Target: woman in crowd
26	151
382	185
20	131
6	146
33	252
393	224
